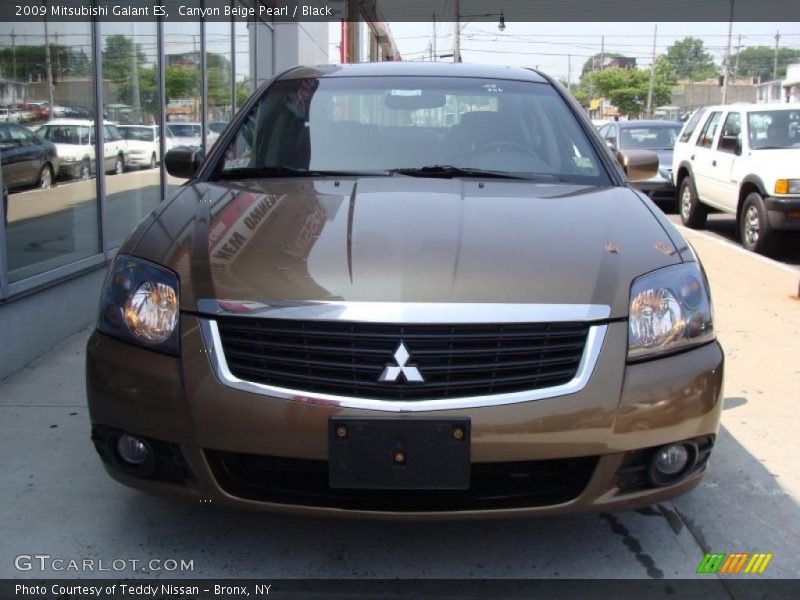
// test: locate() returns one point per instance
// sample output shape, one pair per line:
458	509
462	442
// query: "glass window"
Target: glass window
383	123
131	100
691	125
49	81
244	76
731	138
774	129
182	75
655	137
706	137
219	78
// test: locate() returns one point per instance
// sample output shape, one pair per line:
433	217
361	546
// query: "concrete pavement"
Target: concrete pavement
58	500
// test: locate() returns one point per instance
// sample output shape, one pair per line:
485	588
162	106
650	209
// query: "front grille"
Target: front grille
348	358
494	485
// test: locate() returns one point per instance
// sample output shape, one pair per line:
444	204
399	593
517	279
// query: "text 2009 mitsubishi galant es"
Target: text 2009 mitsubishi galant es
407	290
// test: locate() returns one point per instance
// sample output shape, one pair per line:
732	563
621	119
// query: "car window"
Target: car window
141	134
774	129
20	134
111	133
691	125
731	136
65	134
659	137
183	130
706	137
385	123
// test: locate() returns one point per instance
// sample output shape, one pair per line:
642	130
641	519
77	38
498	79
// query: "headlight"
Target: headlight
140	304
787	186
670	310
67	158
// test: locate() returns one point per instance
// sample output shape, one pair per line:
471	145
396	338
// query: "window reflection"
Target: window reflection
129	65
46	146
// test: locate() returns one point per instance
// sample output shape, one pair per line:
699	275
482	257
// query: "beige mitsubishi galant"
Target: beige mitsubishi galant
407	290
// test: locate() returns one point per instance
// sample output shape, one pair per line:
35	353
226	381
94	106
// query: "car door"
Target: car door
32	155
702	155
10	154
723	188
110	146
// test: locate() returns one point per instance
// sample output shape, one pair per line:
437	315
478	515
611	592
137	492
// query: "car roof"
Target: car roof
648	123
76	122
419	69
751	107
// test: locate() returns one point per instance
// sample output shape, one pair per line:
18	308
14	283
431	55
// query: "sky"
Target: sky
547	46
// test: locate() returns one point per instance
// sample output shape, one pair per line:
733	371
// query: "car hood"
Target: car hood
405	239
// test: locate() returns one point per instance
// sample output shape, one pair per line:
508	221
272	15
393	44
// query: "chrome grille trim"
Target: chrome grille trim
410	312
591	353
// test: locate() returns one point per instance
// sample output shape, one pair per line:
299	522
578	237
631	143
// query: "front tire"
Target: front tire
86	170
693	212
45	180
755	231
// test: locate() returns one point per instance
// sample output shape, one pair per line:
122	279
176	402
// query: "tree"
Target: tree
759	61
118	58
243	91
627	89
181	82
690	60
27	63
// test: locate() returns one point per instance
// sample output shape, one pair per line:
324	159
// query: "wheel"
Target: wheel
754	229
153	161
119	166
693	212
86	169
45	180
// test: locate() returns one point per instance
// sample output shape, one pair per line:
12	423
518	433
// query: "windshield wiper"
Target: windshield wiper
285	171
449	171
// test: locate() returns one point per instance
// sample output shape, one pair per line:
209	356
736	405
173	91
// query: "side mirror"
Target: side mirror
184	161
639	165
731	143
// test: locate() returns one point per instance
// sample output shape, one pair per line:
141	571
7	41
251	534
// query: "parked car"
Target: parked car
75	144
188	134
345	311
655	135
4	113
744	160
143	142
27	160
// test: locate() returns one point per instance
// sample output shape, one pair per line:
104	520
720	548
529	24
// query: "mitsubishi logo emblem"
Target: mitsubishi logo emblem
410	372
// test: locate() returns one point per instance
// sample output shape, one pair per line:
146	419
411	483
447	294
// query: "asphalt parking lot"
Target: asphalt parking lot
57	499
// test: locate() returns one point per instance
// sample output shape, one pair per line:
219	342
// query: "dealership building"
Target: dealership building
55	243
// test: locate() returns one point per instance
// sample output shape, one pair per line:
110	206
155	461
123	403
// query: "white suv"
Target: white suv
741	159
75	139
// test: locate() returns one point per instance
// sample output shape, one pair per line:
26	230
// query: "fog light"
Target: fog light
670	463
671	459
131	450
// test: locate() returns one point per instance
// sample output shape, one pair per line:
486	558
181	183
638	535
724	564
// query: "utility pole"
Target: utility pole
652	75
726	71
738	51
569	73
457	34
602	52
49	69
13	55
775	63
434	36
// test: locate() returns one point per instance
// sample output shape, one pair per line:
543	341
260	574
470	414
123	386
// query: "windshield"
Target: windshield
380	124
183	130
656	137
139	134
774	129
64	134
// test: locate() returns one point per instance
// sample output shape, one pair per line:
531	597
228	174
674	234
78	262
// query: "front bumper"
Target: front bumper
784	213
659	191
595	432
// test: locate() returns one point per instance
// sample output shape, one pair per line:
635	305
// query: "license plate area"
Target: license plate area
400	454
